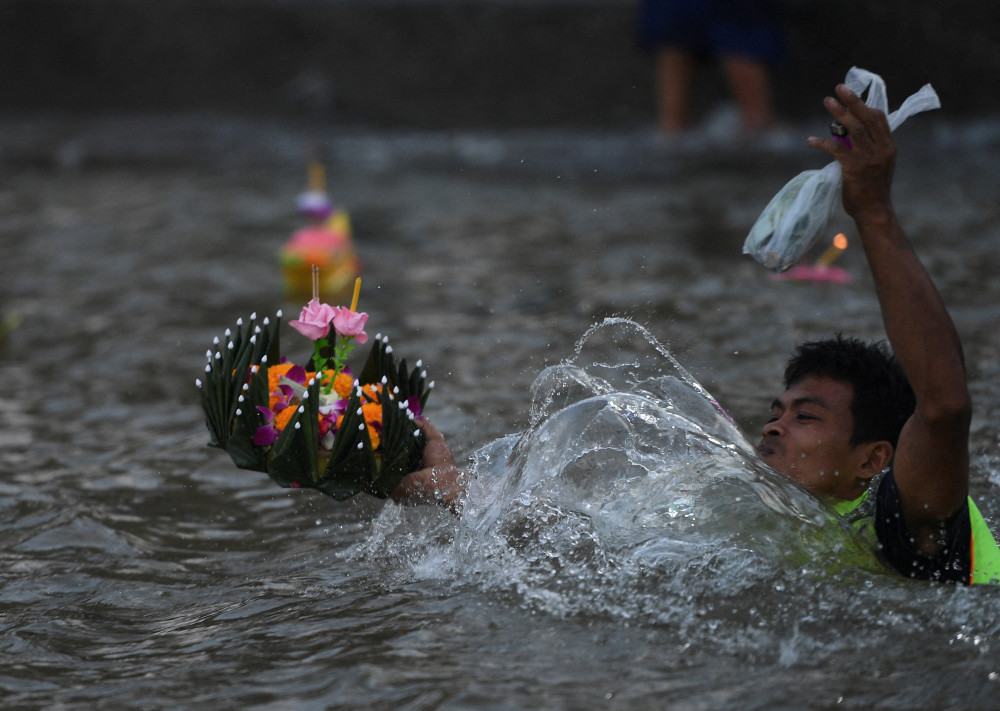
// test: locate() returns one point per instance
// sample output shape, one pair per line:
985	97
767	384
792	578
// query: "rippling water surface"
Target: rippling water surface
141	569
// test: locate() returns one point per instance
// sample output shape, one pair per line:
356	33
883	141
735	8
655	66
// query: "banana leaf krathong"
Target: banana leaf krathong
236	398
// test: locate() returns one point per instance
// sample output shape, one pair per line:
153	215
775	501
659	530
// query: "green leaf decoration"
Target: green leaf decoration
403	444
352	462
294	458
382	363
247	419
236	384
227	371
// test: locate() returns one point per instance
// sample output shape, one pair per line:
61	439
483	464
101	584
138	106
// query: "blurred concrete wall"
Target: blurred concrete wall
453	63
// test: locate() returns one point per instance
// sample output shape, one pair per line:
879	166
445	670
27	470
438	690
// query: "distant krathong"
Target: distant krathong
315	425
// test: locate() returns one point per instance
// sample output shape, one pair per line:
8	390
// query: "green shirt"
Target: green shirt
970	554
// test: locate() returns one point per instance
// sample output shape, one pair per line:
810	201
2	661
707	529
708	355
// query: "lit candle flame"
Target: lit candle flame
357	293
833	251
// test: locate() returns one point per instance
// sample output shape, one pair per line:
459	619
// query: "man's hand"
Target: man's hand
440	481
867	165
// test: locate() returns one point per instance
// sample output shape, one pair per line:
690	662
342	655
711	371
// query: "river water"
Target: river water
625	552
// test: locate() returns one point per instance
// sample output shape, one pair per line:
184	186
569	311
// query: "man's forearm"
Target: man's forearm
922	333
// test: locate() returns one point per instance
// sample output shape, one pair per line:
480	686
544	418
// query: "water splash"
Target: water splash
632	494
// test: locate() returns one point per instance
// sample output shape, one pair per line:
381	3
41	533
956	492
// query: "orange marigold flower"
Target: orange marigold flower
373	418
372	412
343	384
282	418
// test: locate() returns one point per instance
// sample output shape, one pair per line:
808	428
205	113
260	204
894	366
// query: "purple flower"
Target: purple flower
265	434
413	403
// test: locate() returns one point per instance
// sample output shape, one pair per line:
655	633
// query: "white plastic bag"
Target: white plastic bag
795	218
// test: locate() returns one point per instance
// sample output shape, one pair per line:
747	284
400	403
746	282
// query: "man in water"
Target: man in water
849	413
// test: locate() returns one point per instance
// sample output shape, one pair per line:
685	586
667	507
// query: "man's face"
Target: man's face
808	437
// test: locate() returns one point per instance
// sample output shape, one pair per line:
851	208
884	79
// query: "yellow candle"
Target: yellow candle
317	177
357	293
833	251
315	283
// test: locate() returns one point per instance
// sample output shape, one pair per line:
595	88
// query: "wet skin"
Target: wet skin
808	437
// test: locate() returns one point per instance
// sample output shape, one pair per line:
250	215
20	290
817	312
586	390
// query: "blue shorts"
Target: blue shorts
749	28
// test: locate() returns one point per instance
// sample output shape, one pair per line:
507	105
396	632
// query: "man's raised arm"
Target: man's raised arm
931	465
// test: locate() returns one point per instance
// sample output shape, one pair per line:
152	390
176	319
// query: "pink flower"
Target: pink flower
350	323
314	321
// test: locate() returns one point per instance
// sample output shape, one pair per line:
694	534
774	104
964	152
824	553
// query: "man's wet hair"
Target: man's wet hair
883	399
